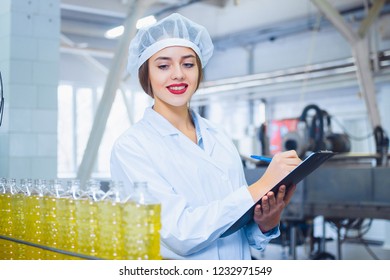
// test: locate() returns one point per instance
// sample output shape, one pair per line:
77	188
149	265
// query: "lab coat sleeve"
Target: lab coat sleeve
257	239
185	230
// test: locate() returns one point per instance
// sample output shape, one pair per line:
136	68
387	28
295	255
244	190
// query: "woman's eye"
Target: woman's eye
188	65
163	67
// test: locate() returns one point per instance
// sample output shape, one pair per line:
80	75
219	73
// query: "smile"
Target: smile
177	89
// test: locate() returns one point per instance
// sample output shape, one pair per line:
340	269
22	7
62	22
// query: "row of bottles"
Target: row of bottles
77	222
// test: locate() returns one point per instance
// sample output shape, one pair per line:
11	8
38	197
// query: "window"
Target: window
76	110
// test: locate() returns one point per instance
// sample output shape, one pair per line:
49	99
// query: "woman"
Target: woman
189	163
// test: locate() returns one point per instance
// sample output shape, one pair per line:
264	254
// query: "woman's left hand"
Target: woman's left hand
268	214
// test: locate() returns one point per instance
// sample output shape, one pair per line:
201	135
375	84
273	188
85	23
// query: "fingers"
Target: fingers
258	210
290	193
267	214
289	158
265	207
285	196
271	199
291	154
271	203
268	202
281	194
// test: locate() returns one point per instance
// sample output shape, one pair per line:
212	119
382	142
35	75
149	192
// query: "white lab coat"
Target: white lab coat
202	192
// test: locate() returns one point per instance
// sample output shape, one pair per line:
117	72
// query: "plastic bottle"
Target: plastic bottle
141	223
2	220
6	247
87	221
110	221
34	218
66	217
18	224
50	223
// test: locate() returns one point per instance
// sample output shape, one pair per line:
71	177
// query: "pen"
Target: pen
262	158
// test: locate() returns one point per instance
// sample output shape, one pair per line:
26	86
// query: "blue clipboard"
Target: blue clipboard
307	166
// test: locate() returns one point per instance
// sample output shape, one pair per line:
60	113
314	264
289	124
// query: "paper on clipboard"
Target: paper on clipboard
311	163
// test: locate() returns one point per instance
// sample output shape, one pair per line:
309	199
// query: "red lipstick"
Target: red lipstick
177	88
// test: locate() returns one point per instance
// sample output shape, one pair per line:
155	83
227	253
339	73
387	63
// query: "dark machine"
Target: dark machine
315	134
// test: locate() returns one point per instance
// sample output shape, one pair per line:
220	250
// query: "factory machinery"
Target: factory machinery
348	191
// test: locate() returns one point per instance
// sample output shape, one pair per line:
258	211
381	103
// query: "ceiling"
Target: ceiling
83	23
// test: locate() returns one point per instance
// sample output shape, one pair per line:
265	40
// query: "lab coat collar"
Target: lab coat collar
165	128
159	123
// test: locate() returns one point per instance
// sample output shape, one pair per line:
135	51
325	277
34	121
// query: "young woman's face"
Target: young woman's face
173	74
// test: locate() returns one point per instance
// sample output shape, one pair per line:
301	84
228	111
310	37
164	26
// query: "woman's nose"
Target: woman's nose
177	73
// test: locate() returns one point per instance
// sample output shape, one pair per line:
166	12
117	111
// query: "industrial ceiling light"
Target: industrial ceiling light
114	32
118	31
145	21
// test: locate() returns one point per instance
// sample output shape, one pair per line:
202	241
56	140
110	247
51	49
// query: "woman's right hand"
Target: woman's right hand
281	165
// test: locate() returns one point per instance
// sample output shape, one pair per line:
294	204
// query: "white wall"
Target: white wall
29	57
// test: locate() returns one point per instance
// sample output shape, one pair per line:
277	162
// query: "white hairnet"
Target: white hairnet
174	30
